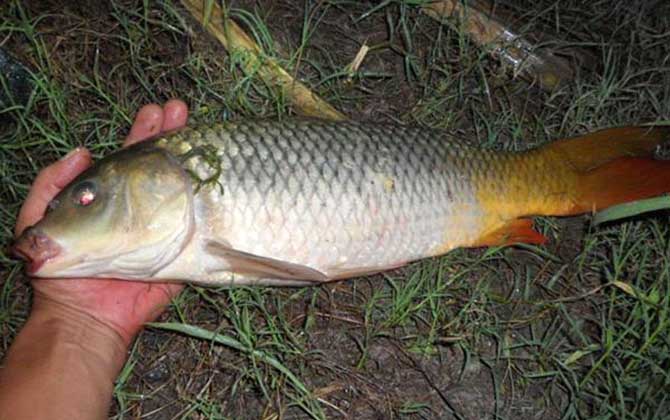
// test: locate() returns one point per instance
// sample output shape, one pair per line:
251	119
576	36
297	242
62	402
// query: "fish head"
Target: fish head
127	217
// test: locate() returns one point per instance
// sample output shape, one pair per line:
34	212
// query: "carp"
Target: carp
301	202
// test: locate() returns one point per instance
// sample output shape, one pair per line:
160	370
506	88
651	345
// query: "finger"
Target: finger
148	123
160	294
48	183
176	114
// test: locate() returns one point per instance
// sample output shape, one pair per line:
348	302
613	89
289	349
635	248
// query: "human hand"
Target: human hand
124	306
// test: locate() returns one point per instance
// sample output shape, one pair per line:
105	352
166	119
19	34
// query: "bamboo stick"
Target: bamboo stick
234	39
488	31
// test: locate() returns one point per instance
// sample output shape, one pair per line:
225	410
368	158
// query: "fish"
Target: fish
302	201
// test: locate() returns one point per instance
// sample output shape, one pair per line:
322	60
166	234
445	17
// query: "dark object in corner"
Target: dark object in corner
16	83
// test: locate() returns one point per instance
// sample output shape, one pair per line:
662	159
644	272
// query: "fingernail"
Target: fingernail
71	153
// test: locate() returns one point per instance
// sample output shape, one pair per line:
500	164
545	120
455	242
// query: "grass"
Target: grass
578	329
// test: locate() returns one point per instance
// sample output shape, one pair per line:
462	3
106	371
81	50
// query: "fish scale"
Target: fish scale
338	198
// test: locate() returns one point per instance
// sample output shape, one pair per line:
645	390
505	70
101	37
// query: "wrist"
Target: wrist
67	358
79	333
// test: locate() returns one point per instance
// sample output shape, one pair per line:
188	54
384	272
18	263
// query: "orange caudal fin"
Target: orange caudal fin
592	150
620	181
598	170
569	177
615	166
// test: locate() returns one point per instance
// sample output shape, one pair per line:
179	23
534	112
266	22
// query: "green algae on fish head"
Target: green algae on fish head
207	154
129	215
200	159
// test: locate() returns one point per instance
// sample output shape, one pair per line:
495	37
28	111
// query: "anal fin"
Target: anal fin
513	232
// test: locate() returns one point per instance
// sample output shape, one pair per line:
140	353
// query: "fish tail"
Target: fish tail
612	166
569	177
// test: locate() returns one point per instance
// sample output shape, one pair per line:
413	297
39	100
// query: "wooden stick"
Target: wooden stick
548	70
235	40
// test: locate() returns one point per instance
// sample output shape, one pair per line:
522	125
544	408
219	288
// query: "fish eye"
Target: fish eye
84	193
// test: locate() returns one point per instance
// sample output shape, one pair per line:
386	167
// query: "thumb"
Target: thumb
49	182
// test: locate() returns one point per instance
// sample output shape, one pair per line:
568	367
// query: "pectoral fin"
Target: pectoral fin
251	265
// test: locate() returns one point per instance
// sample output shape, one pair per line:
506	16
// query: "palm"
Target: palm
122	305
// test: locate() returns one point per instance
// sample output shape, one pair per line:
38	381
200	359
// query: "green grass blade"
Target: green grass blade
209	5
203	334
623	211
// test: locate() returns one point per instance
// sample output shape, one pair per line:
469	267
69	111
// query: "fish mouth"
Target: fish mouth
36	248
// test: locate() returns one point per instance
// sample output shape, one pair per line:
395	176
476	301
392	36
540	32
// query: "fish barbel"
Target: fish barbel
305	201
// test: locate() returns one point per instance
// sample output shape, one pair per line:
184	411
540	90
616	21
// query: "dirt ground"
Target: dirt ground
486	334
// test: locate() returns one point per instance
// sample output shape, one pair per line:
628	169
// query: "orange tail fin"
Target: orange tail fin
570	177
620	181
591	150
614	166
